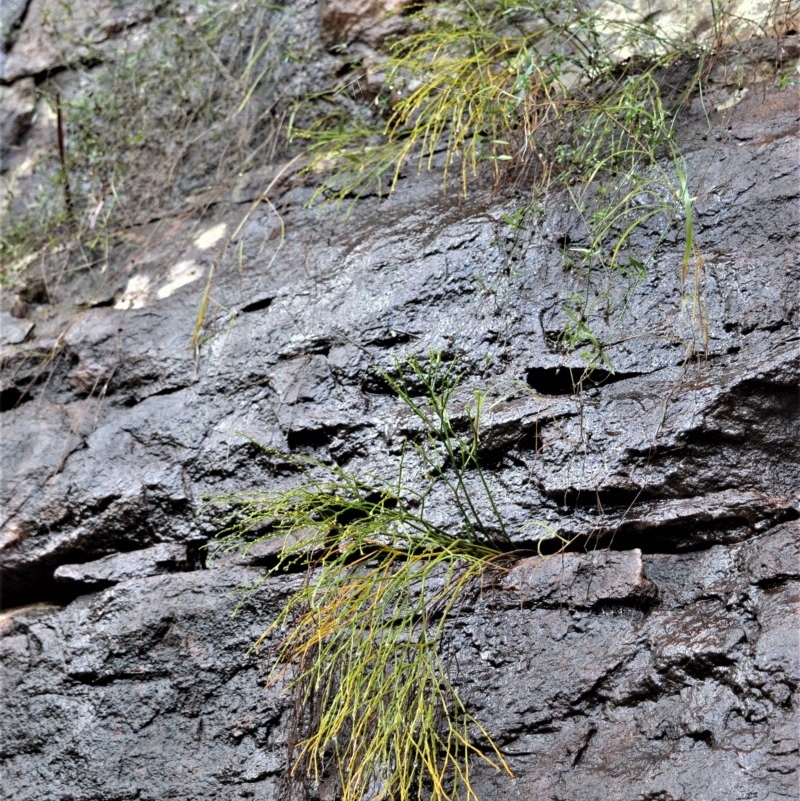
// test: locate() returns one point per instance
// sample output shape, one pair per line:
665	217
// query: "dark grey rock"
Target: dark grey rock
11	13
127	692
166	557
581	581
677	700
53	35
17	107
656	660
370	21
12	330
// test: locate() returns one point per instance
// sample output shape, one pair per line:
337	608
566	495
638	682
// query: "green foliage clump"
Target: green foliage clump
491	81
365	639
535	94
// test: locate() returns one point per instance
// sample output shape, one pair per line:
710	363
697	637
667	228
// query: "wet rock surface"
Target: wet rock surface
669	699
142	691
656	660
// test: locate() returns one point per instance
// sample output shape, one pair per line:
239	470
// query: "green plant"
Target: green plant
187	98
628	180
516	221
534	92
483	82
366	636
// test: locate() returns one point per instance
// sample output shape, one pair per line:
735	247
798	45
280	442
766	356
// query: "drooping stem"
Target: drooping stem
62	157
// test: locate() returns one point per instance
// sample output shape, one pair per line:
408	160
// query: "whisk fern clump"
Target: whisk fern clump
364	644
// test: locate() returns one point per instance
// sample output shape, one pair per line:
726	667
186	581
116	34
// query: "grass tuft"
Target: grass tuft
535	93
364	644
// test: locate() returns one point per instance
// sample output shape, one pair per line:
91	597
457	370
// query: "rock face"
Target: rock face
655	660
610	693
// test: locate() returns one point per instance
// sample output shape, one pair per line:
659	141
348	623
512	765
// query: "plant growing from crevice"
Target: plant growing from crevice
629	188
490	82
544	94
364	644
